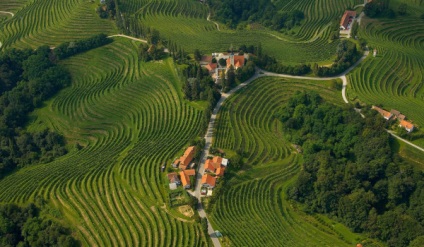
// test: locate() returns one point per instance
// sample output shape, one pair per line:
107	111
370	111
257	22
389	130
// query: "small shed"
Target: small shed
172	186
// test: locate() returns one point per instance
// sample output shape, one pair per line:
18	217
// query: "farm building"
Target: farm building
173	178
185	177
397	114
218	71
208	181
188	156
387	115
347	19
216	165
406	125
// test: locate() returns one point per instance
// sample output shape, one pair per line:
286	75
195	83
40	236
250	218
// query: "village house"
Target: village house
185	177
218	72
347	19
184	161
174	181
208	181
216	165
406	125
387	115
397	115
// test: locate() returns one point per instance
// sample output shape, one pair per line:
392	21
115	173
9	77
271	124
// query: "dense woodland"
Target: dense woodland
24	226
27	78
234	12
351	174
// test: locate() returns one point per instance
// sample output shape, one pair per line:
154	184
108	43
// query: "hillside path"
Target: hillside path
128	37
405	141
8	13
209	19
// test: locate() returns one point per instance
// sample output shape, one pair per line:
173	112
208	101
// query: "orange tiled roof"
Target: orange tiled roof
190	172
185	180
238	61
211	67
406	124
384	113
172	177
187	157
208	179
220	171
216	161
209	165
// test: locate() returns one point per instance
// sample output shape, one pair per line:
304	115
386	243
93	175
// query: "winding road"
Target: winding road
209	19
7	13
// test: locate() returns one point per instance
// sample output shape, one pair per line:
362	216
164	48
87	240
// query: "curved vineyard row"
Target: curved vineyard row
131	119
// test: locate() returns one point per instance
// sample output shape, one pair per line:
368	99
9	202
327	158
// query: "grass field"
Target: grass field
130	118
185	22
394	78
253	210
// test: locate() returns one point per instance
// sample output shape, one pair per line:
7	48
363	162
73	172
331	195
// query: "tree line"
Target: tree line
68	49
27	226
28	78
234	12
350	172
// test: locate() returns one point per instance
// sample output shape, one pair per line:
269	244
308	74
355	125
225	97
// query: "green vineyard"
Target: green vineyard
394	77
130	118
253	210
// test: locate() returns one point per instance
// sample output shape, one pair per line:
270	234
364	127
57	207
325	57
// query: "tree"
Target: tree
197	55
402	9
222	62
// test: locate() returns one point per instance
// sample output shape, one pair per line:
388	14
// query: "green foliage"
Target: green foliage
402	9
23	226
346	56
39	79
377	8
107	10
350	172
68	49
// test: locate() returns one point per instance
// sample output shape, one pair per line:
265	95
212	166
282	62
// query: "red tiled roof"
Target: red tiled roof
187	157
185	179
208	179
383	113
209	165
238	61
211	67
172	177
190	172
220	171
346	17
216	161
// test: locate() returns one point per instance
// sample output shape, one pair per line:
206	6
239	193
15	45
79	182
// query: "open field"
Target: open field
394	78
185	22
50	23
253	210
130	118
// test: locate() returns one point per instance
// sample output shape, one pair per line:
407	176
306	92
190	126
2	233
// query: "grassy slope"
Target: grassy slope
394	78
254	211
130	117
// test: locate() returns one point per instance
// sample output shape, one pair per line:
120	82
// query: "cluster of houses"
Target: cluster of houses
184	163
214	169
218	71
394	114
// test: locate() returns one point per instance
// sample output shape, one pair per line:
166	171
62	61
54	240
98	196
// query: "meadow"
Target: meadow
253	210
394	77
129	118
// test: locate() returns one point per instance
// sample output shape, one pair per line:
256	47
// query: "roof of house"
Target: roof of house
406	124
217	161
187	157
173	177
211	66
207	59
185	180
238	61
224	162
395	112
384	113
190	172
209	165
220	171
346	17
208	179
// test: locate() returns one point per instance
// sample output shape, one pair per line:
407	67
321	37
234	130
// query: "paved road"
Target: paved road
405	141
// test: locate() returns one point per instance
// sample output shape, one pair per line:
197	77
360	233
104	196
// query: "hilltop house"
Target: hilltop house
208	181
407	125
218	71
185	177
387	115
347	19
397	115
184	161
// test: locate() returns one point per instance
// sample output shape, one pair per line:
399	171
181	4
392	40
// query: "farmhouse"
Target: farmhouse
407	125
187	157
185	177
173	178
347	19
216	165
218	71
208	181
387	115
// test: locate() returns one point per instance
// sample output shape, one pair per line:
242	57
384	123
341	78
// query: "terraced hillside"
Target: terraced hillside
130	118
395	77
40	22
253	210
185	22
